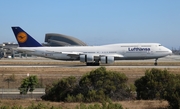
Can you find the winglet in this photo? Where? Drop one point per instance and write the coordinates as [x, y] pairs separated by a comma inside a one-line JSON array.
[[24, 39]]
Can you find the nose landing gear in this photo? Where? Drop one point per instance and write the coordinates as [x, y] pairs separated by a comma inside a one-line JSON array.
[[156, 62]]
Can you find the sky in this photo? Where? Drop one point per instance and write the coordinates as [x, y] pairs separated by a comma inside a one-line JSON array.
[[95, 22]]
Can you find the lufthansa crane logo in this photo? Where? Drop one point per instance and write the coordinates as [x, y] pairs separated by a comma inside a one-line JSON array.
[[22, 37]]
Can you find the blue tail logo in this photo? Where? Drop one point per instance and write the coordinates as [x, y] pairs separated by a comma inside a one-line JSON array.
[[24, 39]]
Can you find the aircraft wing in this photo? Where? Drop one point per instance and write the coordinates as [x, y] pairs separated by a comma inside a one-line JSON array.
[[76, 54], [72, 54], [113, 55]]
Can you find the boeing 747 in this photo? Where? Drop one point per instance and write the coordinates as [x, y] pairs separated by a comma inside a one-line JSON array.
[[91, 55]]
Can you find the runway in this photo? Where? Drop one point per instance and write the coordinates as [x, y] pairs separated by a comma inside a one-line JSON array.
[[80, 66]]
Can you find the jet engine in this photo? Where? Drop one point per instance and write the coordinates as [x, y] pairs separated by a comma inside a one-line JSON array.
[[86, 58], [107, 59]]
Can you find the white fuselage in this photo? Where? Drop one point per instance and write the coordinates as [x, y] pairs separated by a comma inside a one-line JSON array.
[[126, 51]]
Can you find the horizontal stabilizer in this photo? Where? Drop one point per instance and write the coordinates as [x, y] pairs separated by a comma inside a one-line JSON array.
[[23, 49]]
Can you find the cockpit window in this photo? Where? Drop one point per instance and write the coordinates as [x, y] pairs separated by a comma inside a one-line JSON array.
[[159, 45]]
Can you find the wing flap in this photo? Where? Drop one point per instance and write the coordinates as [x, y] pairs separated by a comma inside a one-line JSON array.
[[71, 54]]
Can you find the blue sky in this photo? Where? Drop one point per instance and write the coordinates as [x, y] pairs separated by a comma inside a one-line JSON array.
[[95, 22]]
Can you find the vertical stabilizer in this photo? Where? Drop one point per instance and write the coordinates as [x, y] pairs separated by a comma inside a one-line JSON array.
[[24, 39]]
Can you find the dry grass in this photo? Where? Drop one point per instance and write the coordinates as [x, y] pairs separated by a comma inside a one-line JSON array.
[[145, 104], [137, 104], [49, 75]]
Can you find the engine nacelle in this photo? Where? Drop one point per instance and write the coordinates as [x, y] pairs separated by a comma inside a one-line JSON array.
[[86, 58], [107, 60]]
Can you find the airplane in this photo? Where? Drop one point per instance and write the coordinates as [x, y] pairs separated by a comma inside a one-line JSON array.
[[91, 55]]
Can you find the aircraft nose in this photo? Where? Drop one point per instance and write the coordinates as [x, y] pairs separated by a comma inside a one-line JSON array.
[[170, 52]]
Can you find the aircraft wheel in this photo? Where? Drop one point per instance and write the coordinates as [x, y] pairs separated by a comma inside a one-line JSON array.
[[88, 64], [155, 64], [92, 64], [96, 64]]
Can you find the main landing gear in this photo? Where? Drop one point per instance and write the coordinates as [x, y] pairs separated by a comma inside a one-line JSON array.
[[156, 62], [92, 64]]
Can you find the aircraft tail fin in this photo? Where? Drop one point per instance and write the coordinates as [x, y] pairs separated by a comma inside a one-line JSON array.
[[24, 39]]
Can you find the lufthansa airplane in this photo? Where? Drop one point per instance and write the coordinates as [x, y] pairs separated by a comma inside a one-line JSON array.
[[91, 55]]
